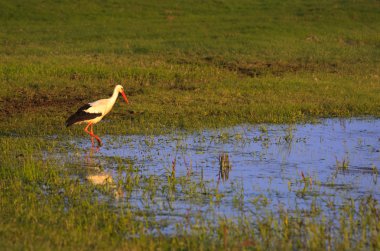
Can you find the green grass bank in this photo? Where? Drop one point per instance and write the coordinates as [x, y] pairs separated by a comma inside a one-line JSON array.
[[184, 65], [188, 65]]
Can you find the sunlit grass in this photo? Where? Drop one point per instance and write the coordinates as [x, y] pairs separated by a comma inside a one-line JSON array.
[[184, 66]]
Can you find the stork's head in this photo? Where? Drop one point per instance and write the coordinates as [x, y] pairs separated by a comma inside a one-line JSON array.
[[120, 89]]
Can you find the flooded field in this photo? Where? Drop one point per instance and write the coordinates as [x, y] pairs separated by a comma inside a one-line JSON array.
[[237, 171]]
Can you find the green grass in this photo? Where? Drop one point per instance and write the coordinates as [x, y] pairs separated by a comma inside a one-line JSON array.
[[184, 65], [189, 65]]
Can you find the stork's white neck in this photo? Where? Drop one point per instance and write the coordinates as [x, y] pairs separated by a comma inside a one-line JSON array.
[[114, 96]]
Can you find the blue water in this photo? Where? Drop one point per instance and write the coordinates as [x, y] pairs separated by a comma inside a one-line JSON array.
[[266, 160]]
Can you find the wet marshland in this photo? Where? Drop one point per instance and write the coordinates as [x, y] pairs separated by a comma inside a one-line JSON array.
[[243, 170]]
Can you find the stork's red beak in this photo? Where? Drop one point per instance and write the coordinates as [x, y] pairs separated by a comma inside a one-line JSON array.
[[124, 96]]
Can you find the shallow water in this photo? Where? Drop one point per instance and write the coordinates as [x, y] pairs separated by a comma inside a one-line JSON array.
[[339, 159]]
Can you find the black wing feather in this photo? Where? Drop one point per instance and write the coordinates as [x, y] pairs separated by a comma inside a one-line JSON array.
[[81, 115]]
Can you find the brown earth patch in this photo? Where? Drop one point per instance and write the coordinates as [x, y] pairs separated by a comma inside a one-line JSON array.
[[257, 69], [29, 101], [65, 101]]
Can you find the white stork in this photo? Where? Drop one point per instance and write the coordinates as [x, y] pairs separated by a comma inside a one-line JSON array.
[[92, 113]]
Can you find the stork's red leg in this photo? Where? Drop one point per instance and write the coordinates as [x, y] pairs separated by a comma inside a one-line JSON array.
[[90, 133], [96, 137]]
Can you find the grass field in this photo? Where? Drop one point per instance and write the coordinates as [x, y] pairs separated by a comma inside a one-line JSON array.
[[218, 63], [184, 65]]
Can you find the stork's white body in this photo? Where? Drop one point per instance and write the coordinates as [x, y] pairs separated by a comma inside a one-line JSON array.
[[94, 112], [102, 106]]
